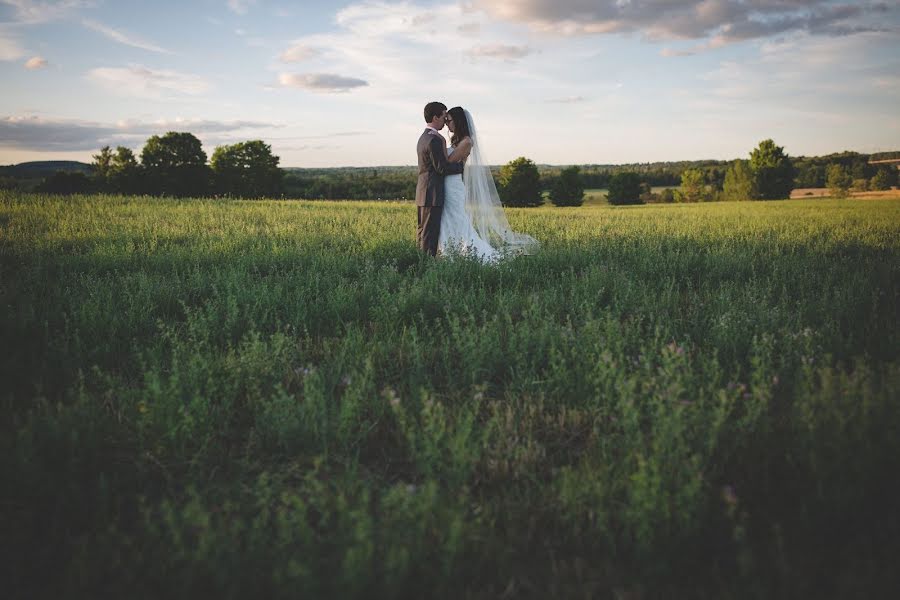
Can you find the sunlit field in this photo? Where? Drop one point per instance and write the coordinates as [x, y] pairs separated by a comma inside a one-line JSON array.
[[284, 399]]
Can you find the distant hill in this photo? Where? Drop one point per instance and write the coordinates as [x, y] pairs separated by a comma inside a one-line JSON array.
[[44, 168]]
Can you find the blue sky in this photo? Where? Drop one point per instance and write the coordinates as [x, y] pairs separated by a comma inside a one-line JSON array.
[[343, 83]]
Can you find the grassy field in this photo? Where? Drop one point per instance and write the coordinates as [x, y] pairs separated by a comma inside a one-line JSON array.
[[283, 399]]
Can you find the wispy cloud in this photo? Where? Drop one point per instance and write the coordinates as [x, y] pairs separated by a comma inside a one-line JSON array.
[[568, 100], [499, 51], [58, 135], [31, 12], [36, 62], [142, 82], [299, 53], [240, 6], [123, 37], [321, 82], [10, 48]]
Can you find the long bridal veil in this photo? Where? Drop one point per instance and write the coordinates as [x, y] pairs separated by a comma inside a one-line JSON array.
[[483, 203]]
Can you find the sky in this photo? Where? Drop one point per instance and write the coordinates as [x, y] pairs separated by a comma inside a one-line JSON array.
[[343, 83]]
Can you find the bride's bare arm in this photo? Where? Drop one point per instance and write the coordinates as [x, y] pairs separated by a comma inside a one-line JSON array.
[[461, 152]]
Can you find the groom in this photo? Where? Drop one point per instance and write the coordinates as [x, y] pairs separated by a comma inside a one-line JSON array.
[[433, 166]]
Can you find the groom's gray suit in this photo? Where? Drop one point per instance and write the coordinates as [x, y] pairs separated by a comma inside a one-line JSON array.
[[433, 166]]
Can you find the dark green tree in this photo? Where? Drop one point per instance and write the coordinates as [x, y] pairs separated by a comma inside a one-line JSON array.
[[624, 188], [66, 183], [124, 172], [738, 182], [884, 179], [773, 171], [839, 181], [247, 170], [568, 189], [175, 165], [101, 164], [520, 183]]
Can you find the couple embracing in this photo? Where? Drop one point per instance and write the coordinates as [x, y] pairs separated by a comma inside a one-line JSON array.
[[459, 208]]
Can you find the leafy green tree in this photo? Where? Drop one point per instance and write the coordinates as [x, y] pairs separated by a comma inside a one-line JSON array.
[[124, 172], [101, 164], [247, 170], [624, 188], [175, 165], [568, 189], [773, 171], [693, 186], [884, 179], [520, 183], [738, 182], [839, 181]]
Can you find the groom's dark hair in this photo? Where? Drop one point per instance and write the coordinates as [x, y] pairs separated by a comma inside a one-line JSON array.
[[434, 109]]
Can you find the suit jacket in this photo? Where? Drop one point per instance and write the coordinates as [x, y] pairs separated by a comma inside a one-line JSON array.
[[433, 166]]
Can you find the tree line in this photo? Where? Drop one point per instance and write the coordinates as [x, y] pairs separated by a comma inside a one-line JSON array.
[[175, 164]]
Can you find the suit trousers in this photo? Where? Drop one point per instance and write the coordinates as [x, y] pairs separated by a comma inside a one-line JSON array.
[[429, 229]]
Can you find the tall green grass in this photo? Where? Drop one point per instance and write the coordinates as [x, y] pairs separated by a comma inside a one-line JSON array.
[[285, 399]]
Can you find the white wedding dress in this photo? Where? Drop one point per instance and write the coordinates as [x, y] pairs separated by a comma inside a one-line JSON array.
[[458, 235], [473, 222]]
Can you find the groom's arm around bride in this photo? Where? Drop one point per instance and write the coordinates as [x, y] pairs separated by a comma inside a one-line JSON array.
[[433, 166]]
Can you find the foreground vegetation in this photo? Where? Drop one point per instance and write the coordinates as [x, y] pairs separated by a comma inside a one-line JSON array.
[[284, 399]]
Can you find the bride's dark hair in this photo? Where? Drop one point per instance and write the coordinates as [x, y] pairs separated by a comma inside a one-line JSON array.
[[460, 125]]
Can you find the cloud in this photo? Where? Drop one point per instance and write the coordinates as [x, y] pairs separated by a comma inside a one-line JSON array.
[[59, 135], [140, 81], [321, 82], [720, 21], [298, 53], [568, 100], [240, 6], [469, 28], [35, 62], [30, 12], [499, 51], [122, 37], [10, 49]]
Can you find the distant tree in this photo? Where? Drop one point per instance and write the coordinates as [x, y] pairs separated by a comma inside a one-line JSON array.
[[738, 182], [124, 172], [773, 171], [884, 179], [8, 183], [624, 188], [66, 183], [693, 186], [175, 165], [568, 189], [839, 181], [248, 170], [667, 196], [520, 183], [101, 165], [116, 171]]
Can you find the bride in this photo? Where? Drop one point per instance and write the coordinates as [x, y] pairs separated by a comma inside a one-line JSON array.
[[473, 222]]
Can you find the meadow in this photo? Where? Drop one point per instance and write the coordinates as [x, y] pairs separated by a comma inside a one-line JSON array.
[[284, 399]]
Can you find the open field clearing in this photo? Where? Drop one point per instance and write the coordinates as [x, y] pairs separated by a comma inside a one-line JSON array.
[[282, 399]]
